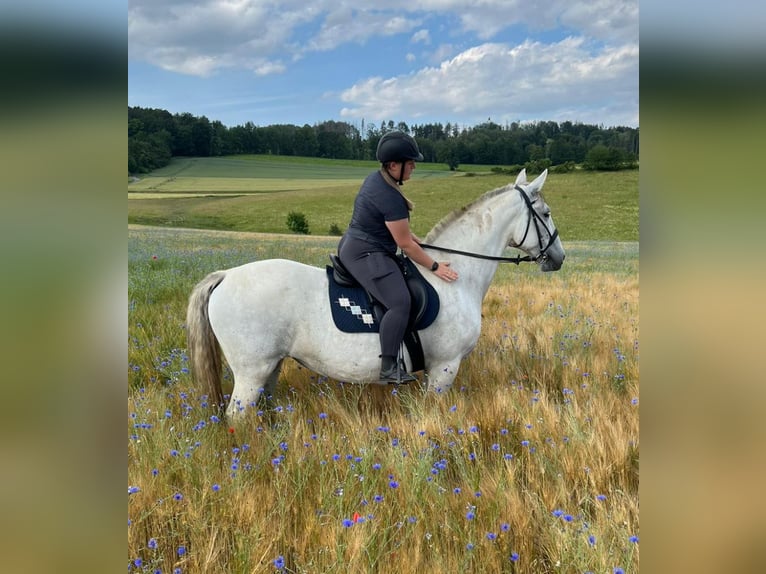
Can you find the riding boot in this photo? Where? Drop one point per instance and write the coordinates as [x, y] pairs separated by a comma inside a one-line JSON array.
[[393, 373]]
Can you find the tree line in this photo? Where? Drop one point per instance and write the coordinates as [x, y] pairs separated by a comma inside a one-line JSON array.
[[155, 136]]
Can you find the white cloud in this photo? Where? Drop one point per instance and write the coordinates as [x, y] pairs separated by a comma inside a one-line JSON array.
[[199, 36], [504, 82], [512, 77], [423, 36]]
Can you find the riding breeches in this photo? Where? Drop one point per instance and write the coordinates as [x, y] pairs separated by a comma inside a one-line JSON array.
[[380, 274]]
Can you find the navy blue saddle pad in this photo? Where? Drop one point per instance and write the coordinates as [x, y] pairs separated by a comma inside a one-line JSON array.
[[352, 310]]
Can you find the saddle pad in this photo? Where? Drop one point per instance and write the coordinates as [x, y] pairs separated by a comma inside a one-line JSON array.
[[352, 309]]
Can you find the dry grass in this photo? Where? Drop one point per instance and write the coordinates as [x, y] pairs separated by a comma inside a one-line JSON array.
[[533, 452]]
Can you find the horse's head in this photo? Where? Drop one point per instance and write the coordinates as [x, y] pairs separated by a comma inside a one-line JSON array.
[[538, 237]]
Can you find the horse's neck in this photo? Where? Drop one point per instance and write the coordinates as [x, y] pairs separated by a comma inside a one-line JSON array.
[[485, 229]]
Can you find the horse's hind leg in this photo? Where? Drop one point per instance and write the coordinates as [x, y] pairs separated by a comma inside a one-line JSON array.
[[252, 384]]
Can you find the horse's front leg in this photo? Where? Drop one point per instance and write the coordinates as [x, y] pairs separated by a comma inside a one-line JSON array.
[[441, 375]]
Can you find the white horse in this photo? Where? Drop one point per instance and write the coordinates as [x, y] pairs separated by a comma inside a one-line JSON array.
[[261, 312]]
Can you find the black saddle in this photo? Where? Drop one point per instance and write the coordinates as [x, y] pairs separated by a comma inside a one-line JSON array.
[[423, 308], [415, 283]]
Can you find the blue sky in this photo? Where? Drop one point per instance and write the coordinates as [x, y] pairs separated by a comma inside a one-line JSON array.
[[458, 61]]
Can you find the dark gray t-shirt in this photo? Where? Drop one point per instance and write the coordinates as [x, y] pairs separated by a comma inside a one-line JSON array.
[[376, 203]]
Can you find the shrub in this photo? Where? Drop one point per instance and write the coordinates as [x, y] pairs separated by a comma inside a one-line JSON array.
[[565, 167], [334, 230], [297, 223]]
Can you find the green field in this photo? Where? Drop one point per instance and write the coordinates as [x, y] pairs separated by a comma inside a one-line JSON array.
[[256, 193]]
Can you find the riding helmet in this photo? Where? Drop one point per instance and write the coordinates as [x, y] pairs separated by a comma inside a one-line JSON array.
[[397, 146]]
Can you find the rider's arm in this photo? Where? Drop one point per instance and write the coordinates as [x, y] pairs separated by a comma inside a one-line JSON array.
[[407, 242]]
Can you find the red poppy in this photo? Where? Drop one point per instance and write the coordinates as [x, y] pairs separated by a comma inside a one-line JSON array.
[[231, 430], [154, 257], [356, 517]]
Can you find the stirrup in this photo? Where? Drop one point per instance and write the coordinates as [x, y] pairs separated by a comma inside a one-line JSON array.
[[397, 376]]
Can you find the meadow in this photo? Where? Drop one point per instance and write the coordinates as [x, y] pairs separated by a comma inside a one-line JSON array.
[[256, 193], [530, 463]]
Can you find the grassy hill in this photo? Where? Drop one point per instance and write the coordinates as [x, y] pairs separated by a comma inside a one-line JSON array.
[[256, 193]]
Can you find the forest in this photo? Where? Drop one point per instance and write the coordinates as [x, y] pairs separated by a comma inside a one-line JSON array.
[[156, 135]]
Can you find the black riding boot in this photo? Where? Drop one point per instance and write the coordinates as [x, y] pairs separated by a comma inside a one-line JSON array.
[[392, 373]]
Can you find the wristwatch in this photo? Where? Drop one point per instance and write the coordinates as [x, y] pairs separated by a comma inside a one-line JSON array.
[[435, 266]]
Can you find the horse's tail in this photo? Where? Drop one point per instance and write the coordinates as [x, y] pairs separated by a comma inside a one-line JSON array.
[[204, 350]]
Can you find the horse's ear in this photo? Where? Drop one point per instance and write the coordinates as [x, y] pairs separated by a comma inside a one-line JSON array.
[[522, 177], [537, 184]]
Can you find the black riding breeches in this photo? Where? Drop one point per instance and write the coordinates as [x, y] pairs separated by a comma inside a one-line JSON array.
[[380, 274]]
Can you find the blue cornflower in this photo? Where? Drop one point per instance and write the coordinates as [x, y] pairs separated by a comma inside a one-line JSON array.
[[378, 498], [133, 489], [568, 517], [279, 562], [275, 461], [376, 466], [152, 544], [505, 527], [592, 540], [174, 452], [507, 456], [138, 562], [634, 539], [181, 550], [393, 484], [558, 513], [283, 445], [525, 443], [469, 546], [216, 487], [618, 570], [336, 457], [178, 496], [456, 490], [322, 415], [601, 497], [453, 408], [469, 515], [477, 494], [412, 519], [155, 472], [491, 536], [347, 523], [474, 428], [514, 557]]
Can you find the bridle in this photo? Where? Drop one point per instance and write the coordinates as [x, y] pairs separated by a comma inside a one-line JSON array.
[[535, 218]]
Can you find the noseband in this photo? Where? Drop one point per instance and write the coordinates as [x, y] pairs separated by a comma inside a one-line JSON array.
[[533, 217]]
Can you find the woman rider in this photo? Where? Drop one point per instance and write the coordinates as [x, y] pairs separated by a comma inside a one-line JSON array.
[[380, 224]]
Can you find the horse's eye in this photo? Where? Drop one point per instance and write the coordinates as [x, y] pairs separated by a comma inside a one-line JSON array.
[[547, 214]]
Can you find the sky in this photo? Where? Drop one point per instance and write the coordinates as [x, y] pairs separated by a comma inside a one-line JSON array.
[[433, 61]]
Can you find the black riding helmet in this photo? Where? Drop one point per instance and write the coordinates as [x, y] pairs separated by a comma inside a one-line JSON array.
[[398, 146]]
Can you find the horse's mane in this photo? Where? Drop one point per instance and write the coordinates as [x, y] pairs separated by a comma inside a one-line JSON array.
[[448, 219]]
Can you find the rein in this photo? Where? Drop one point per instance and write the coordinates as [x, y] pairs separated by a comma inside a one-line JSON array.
[[533, 217], [515, 260]]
